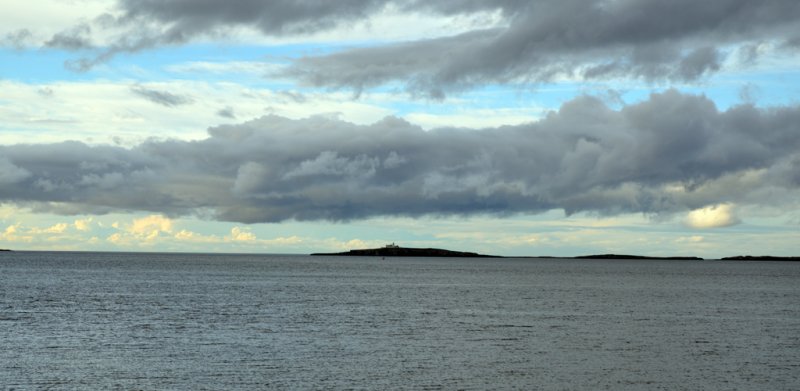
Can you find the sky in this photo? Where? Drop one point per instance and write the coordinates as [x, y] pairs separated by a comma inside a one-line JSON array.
[[536, 127]]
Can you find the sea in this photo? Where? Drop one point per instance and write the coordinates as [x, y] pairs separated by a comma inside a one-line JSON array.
[[148, 321]]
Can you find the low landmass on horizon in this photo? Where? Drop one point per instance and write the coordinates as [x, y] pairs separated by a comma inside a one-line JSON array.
[[393, 250], [397, 251], [759, 258]]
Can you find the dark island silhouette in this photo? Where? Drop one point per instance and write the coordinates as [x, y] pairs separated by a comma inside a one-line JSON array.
[[760, 258], [393, 250]]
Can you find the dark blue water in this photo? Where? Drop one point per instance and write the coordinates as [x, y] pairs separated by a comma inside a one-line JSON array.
[[171, 321]]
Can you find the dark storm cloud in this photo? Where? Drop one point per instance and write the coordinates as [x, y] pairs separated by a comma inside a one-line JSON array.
[[161, 97], [154, 23], [655, 40], [680, 40], [189, 17], [671, 153], [417, 63]]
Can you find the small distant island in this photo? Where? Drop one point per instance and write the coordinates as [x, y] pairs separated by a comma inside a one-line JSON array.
[[393, 250], [760, 258], [4, 249]]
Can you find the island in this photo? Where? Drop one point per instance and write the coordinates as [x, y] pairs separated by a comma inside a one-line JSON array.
[[4, 249], [760, 258], [393, 250]]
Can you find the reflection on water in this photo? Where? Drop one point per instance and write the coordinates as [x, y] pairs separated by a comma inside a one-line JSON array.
[[172, 321]]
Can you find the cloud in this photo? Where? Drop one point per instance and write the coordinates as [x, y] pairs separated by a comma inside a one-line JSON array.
[[9, 173], [83, 224], [186, 19], [142, 231], [76, 38], [108, 111], [18, 39], [13, 233], [147, 24], [694, 239], [148, 225], [328, 163], [715, 216], [226, 112], [117, 238], [186, 235], [671, 153], [239, 236], [161, 97], [31, 234], [11, 229], [242, 235], [550, 40], [531, 41]]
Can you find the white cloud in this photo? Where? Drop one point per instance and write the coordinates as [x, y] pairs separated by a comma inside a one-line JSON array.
[[483, 118], [11, 229], [142, 231], [7, 211], [12, 234], [56, 229], [714, 216], [147, 225], [83, 224], [241, 235], [108, 112], [19, 233], [238, 236], [188, 236], [116, 238], [44, 18]]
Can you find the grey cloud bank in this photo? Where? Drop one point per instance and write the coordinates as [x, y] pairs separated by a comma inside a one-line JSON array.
[[653, 40], [671, 153], [154, 23], [535, 41]]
